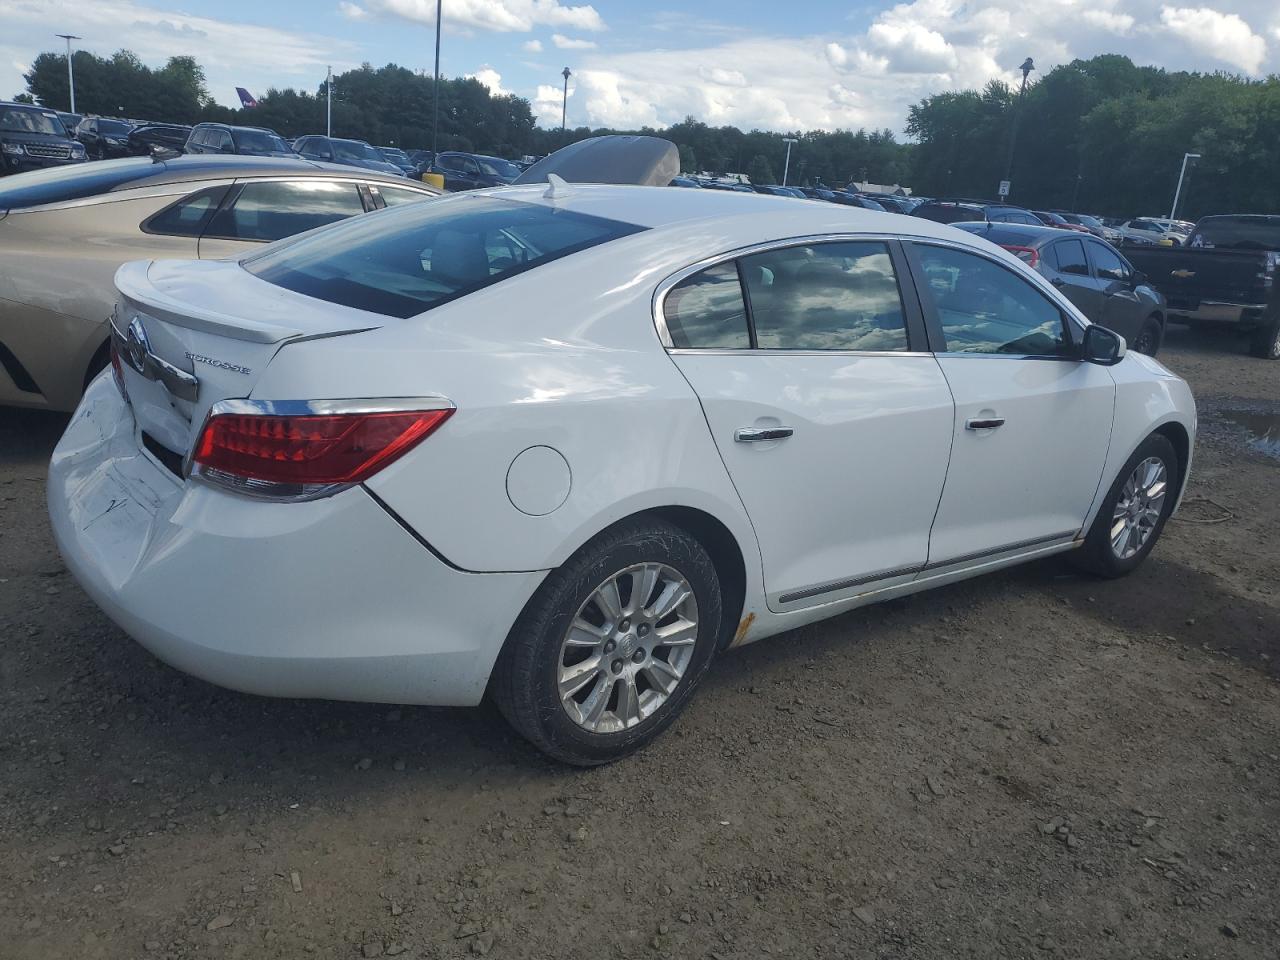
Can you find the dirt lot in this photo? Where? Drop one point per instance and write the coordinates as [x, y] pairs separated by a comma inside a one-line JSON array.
[[1027, 765]]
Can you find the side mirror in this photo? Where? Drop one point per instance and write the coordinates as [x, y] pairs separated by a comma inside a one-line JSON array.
[[1102, 346]]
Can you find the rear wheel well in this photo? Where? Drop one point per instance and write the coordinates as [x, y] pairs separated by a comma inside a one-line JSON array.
[[725, 554], [1177, 435]]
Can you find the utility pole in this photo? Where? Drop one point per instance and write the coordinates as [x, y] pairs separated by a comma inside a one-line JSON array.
[[435, 85], [1177, 194], [1075, 194], [564, 106], [328, 103], [1027, 66], [786, 164], [71, 76]]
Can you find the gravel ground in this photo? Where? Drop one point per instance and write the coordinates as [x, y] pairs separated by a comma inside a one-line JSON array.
[[1030, 764]]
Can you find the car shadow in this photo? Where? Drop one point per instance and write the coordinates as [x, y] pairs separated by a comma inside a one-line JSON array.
[[29, 436]]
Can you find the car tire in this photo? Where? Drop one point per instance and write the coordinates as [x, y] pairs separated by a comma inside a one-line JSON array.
[[623, 704], [1150, 336], [1265, 343], [1130, 521]]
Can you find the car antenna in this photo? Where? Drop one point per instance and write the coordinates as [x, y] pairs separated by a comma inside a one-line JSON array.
[[557, 188]]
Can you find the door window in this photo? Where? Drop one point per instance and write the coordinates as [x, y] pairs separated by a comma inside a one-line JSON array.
[[450, 162], [985, 308], [275, 209], [397, 195], [1108, 263], [707, 311], [224, 140], [830, 296], [1070, 257]]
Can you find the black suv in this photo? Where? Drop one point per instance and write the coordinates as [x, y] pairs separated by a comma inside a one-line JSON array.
[[247, 141], [32, 138], [469, 171], [104, 138], [170, 137], [973, 211]]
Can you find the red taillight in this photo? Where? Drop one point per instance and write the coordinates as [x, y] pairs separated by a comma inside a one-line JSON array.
[[310, 450], [117, 372], [1028, 255]]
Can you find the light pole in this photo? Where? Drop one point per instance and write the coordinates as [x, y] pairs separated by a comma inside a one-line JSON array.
[[71, 76], [1027, 66], [564, 106], [1075, 194], [435, 84], [1177, 194], [328, 103], [786, 164]]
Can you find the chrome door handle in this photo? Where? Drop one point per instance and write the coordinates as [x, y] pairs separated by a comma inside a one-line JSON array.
[[976, 423], [759, 434]]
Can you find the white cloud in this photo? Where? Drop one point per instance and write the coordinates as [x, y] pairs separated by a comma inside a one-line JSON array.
[[910, 47], [571, 43], [1107, 20], [726, 78], [504, 16], [547, 101], [352, 11], [532, 46], [491, 79], [1224, 36]]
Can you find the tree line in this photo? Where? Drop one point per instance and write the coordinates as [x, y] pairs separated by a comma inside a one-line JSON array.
[[1101, 135]]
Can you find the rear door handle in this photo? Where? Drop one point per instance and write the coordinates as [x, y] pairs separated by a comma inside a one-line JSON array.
[[760, 434], [975, 423]]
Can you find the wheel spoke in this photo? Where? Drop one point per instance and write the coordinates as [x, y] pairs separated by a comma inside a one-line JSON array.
[[661, 675], [592, 709], [583, 634], [1118, 530], [574, 678], [643, 581], [673, 594], [628, 709], [608, 600], [682, 633]]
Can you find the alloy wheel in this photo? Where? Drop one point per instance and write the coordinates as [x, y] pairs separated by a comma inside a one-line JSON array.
[[627, 648], [1138, 509]]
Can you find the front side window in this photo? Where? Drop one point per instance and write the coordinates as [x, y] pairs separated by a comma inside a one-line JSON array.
[[405, 261], [1108, 263], [271, 210], [829, 296], [706, 310], [987, 309], [259, 143]]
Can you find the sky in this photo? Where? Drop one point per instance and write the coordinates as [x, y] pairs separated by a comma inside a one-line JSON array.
[[817, 64]]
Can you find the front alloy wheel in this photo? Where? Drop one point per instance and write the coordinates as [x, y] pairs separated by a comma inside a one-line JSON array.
[[613, 644], [1137, 510]]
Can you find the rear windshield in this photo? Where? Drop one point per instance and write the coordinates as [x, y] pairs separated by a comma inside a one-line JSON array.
[[21, 120], [498, 168], [941, 213], [259, 143], [419, 255], [354, 150], [1240, 233], [71, 183]]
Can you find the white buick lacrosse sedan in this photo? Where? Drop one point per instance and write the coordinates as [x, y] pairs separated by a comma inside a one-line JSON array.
[[564, 445]]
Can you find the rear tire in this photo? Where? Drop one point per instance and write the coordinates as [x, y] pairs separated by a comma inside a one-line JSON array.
[[1132, 516], [1265, 344], [1150, 336], [638, 685]]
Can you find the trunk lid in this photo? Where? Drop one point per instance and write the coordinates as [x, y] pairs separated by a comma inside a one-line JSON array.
[[191, 333]]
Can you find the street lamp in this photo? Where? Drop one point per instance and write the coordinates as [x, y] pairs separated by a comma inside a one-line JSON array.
[[435, 85], [1075, 194], [786, 166], [564, 106], [1027, 66], [71, 77], [328, 102], [1177, 194]]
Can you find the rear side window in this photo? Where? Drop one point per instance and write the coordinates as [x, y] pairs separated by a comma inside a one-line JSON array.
[[1070, 257], [271, 210], [407, 260], [1238, 233], [188, 217], [394, 196], [1108, 263], [830, 296], [706, 311], [985, 308]]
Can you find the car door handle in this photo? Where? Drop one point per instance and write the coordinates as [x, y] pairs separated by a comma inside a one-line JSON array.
[[987, 423], [760, 434]]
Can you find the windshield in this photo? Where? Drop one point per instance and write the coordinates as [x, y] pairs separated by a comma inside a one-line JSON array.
[[1240, 233], [355, 150], [114, 128], [1086, 221], [19, 120], [498, 168], [71, 183], [391, 153], [259, 143], [419, 255]]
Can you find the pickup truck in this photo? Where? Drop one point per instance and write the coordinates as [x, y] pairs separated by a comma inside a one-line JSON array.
[[1224, 275]]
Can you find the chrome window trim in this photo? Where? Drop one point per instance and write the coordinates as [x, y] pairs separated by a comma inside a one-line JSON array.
[[778, 351], [663, 288]]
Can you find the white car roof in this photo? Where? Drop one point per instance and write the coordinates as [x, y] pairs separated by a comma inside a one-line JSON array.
[[745, 213]]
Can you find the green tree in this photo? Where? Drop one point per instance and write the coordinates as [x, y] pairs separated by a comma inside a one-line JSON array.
[[759, 170]]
